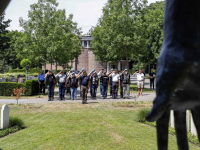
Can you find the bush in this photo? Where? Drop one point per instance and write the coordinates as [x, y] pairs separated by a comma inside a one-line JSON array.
[[15, 124], [15, 121], [140, 117], [6, 88], [25, 62], [30, 71], [32, 87]]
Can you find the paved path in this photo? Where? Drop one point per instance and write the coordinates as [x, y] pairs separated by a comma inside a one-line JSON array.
[[144, 97]]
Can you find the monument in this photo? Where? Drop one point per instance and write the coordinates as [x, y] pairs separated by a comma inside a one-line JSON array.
[[4, 117]]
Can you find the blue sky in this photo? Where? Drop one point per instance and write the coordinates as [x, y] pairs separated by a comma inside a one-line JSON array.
[[86, 12]]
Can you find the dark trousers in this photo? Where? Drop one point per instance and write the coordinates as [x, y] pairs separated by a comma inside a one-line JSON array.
[[91, 89], [151, 84], [80, 90], [62, 90], [51, 90], [94, 90], [105, 88], [101, 88], [110, 88], [42, 87], [121, 89], [84, 90], [115, 86]]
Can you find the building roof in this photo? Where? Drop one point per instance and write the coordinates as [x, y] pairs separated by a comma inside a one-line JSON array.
[[87, 38]]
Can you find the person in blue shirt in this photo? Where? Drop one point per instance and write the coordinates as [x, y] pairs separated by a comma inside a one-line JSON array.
[[85, 85], [41, 81]]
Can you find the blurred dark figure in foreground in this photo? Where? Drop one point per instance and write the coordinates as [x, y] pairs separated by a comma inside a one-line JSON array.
[[177, 79]]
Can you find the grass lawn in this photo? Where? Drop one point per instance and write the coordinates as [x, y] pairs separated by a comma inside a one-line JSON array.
[[100, 126]]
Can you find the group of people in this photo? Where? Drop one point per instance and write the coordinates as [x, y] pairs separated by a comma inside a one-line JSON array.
[[87, 83], [91, 82]]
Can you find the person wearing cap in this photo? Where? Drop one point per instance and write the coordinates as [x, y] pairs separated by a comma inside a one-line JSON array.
[[115, 83], [101, 86], [94, 80], [121, 84], [80, 81], [105, 83], [51, 83], [62, 84], [110, 82], [93, 70], [73, 86], [41, 81], [126, 84], [85, 84], [140, 78]]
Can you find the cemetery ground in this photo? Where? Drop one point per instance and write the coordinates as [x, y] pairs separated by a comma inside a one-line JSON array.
[[105, 125]]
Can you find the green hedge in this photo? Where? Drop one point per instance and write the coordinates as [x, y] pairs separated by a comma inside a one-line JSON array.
[[31, 86], [32, 70], [6, 88]]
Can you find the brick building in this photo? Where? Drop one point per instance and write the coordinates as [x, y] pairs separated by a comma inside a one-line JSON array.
[[87, 60]]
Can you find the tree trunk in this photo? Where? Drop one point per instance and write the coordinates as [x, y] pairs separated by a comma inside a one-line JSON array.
[[56, 67], [127, 61]]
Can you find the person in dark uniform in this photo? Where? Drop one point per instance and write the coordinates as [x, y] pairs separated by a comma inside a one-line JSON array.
[[94, 81], [41, 81], [73, 86], [110, 81], [85, 85], [152, 75], [105, 83], [121, 85], [126, 84], [80, 82], [51, 83]]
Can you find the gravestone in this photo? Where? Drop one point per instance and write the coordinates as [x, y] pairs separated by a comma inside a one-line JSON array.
[[3, 79], [172, 118], [14, 80], [193, 127], [11, 76], [30, 77], [4, 117], [188, 120]]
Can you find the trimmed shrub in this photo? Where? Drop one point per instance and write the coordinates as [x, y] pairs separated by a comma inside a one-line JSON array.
[[6, 88], [32, 87], [140, 117], [15, 121]]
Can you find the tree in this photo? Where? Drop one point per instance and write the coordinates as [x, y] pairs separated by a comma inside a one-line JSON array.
[[25, 62], [7, 53], [148, 35], [48, 36], [114, 33]]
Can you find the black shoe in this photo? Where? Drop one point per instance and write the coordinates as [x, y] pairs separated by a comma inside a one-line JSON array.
[[123, 97], [128, 97], [83, 103], [49, 99]]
